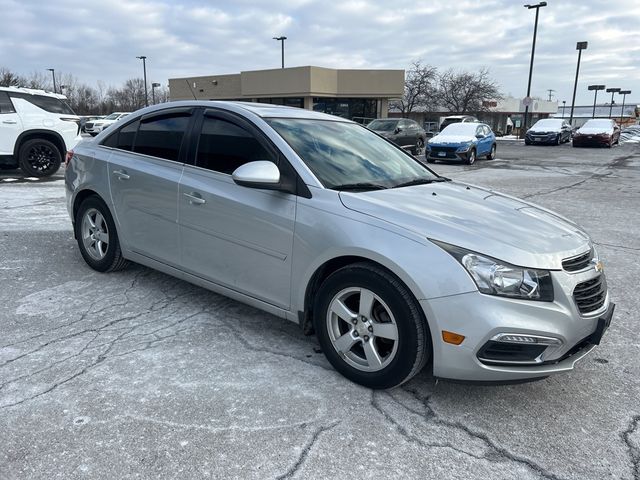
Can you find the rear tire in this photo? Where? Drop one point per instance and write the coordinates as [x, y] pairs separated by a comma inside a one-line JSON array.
[[97, 237], [370, 327], [39, 158], [419, 147]]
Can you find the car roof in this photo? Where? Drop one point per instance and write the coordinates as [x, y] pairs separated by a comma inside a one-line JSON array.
[[264, 110], [460, 116], [33, 91]]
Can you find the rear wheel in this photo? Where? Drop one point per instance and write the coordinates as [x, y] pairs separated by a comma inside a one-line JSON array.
[[97, 237], [39, 158], [492, 153], [370, 327], [419, 147]]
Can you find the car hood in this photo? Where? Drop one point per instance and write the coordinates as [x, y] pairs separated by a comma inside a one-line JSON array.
[[477, 219], [451, 139], [595, 131], [544, 130]]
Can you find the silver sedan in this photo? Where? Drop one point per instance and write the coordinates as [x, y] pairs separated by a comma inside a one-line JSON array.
[[318, 220]]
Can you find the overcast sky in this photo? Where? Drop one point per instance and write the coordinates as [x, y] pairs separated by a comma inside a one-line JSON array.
[[100, 40]]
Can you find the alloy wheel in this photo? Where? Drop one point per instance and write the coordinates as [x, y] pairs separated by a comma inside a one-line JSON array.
[[95, 234]]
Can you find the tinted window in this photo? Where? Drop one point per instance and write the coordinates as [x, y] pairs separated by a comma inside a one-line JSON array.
[[161, 136], [5, 103], [224, 146], [123, 138], [48, 104]]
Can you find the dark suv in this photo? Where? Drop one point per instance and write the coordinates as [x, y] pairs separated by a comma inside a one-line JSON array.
[[402, 131], [456, 119]]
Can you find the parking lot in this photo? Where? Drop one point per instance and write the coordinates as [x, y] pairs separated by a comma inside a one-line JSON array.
[[137, 374]]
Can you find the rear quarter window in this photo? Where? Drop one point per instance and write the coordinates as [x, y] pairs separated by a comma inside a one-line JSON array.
[[48, 104], [5, 104]]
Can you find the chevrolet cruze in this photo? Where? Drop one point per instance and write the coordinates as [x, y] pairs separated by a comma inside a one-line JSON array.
[[318, 220]]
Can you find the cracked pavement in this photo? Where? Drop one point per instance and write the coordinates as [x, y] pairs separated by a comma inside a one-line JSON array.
[[139, 375]]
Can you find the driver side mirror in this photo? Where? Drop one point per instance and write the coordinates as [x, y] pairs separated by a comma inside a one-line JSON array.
[[479, 135], [259, 174], [397, 130]]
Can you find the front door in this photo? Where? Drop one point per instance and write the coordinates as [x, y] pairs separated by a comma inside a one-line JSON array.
[[235, 236]]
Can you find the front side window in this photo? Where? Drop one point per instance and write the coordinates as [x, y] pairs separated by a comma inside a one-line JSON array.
[[5, 104], [224, 146], [123, 138], [346, 154], [48, 104], [162, 136]]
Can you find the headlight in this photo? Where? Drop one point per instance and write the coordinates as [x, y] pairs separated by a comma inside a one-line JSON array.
[[464, 147], [495, 277]]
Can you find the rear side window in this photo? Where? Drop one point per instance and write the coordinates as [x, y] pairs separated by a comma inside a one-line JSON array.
[[162, 136], [224, 146], [5, 104], [123, 138], [48, 104]]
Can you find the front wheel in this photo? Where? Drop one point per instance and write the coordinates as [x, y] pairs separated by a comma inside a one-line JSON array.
[[370, 327], [39, 158], [97, 237], [419, 147], [471, 158]]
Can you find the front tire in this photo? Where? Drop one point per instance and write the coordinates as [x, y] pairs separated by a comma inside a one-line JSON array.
[[97, 237], [39, 158], [471, 158], [492, 153], [419, 147], [370, 327]]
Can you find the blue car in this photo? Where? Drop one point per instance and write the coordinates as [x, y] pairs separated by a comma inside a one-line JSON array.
[[462, 142]]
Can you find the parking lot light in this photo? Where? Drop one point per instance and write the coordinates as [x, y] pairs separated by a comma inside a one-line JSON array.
[[144, 69], [564, 104], [579, 46], [53, 74], [281, 39], [537, 6], [595, 88], [154, 85], [612, 91], [624, 94]]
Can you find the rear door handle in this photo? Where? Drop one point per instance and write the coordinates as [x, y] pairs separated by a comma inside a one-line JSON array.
[[121, 175], [195, 198], [10, 122]]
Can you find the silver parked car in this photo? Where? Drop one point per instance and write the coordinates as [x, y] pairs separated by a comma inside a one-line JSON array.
[[318, 220]]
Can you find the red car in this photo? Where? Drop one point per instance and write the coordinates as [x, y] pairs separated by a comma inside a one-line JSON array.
[[597, 132]]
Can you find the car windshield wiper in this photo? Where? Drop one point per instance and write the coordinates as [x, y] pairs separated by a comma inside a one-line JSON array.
[[359, 186], [422, 181]]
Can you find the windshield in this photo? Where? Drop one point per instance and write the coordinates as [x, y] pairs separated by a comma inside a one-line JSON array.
[[597, 123], [548, 123], [467, 129], [383, 125], [341, 154], [113, 116]]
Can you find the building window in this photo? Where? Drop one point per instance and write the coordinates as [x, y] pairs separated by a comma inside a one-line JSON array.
[[297, 102], [358, 109]]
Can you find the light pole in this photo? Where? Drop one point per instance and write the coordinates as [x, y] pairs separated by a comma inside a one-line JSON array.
[[53, 74], [579, 46], [564, 104], [595, 96], [144, 68], [153, 91], [281, 39], [612, 91], [624, 94], [537, 6]]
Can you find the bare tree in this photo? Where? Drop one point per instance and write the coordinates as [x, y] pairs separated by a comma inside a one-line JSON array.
[[465, 92], [10, 79], [419, 88]]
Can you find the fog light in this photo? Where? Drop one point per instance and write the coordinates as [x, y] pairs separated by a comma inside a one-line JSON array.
[[529, 339], [452, 338]]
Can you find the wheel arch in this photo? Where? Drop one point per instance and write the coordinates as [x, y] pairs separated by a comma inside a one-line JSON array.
[[50, 135], [80, 197]]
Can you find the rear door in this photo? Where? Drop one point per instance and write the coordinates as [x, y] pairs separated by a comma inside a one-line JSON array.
[[10, 125], [235, 236], [144, 182]]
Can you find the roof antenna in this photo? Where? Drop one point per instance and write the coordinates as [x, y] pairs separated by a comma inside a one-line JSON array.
[[191, 89]]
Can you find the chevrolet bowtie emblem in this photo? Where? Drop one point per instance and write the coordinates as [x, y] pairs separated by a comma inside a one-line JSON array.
[[599, 267]]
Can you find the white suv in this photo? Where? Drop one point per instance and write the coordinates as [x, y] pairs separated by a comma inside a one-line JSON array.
[[36, 130], [97, 126]]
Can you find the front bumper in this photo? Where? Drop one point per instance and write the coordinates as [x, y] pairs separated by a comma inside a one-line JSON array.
[[591, 140], [546, 138], [482, 318], [446, 153]]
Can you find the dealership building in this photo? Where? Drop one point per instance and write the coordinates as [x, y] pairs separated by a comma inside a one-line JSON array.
[[359, 95]]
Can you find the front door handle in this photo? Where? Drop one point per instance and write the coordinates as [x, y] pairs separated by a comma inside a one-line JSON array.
[[121, 175], [10, 122], [195, 198]]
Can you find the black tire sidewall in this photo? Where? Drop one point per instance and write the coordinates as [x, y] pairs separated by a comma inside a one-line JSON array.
[[408, 321], [469, 161], [113, 249], [26, 167]]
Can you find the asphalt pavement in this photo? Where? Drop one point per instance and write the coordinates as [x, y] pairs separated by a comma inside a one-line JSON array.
[[138, 375]]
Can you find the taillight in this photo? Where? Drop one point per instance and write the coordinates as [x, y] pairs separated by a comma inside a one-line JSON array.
[[68, 157]]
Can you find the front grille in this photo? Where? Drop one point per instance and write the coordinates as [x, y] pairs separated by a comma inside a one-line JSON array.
[[590, 295], [444, 149], [577, 263], [88, 125]]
